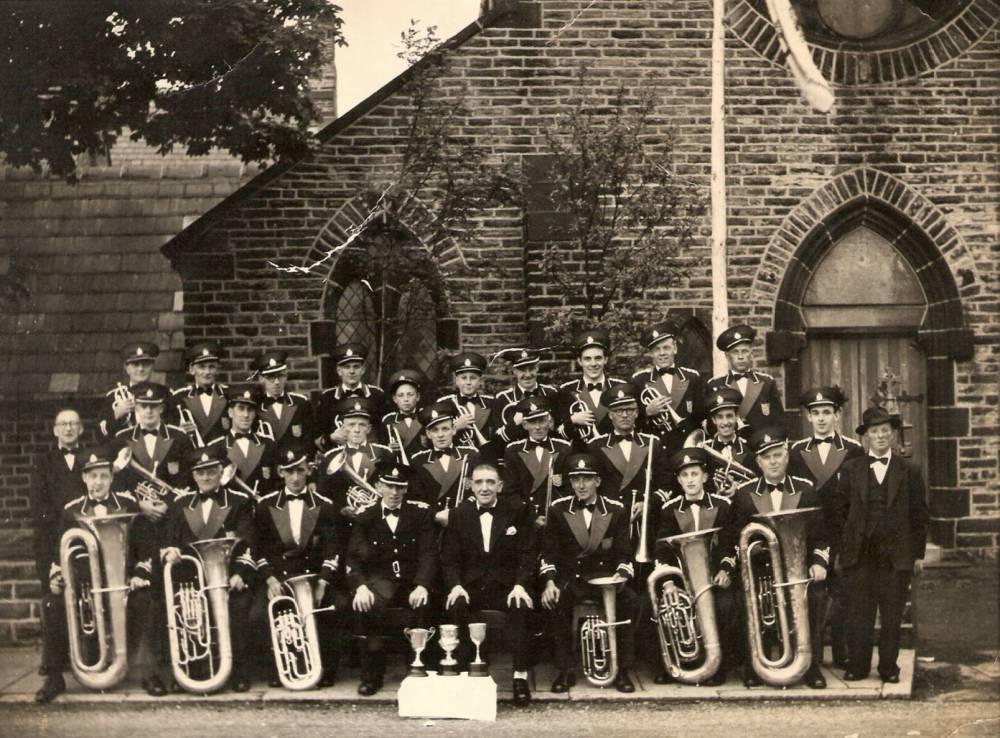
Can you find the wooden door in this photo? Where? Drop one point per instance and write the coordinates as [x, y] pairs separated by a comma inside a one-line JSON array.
[[858, 363]]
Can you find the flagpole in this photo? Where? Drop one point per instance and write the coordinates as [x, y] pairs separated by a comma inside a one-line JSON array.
[[720, 280]]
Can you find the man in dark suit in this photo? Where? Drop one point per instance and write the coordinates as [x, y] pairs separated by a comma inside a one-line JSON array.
[[487, 562], [587, 536], [761, 405], [818, 458], [776, 490], [880, 506], [391, 562], [200, 407], [248, 450], [582, 416]]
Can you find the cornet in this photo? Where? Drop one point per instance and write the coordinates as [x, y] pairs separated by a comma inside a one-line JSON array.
[[587, 432], [666, 421], [294, 639], [361, 494], [598, 644], [481, 440]]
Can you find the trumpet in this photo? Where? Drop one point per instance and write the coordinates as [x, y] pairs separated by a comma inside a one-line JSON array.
[[187, 417], [732, 470], [667, 421], [784, 535], [98, 606], [598, 644], [685, 616], [294, 640], [361, 494], [154, 489], [198, 617], [481, 440]]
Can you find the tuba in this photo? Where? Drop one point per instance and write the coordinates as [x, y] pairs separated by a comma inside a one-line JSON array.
[[598, 645], [96, 608], [783, 534], [198, 617], [733, 470], [294, 641], [685, 611]]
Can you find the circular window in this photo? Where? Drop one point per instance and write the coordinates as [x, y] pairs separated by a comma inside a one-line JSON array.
[[858, 19]]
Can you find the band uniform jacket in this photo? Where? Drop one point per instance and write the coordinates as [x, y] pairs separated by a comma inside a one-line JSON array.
[[625, 480], [255, 468], [231, 516], [326, 410], [752, 498], [275, 549], [525, 476], [904, 521], [482, 408], [464, 560], [570, 553], [296, 417], [761, 404], [676, 518], [738, 451], [211, 424], [361, 459], [505, 405], [687, 399], [171, 447], [406, 429], [437, 486], [573, 392], [805, 461], [53, 485], [384, 560], [108, 426]]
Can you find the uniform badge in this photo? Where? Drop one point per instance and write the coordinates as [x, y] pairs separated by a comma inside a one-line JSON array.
[[265, 472], [690, 406], [173, 467], [297, 431], [765, 408], [225, 423]]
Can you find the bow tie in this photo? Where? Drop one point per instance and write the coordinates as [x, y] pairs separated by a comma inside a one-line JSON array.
[[531, 445], [470, 400], [106, 501], [699, 501], [203, 390], [590, 506], [238, 436], [737, 376], [295, 495], [153, 432], [386, 512], [615, 438], [203, 496], [272, 401], [823, 440], [405, 416], [435, 455], [533, 392], [774, 487], [879, 460], [666, 370], [68, 451], [485, 510], [356, 392], [595, 386]]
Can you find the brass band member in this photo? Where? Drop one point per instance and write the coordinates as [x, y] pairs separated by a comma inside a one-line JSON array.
[[488, 564], [534, 464], [401, 426], [524, 366], [119, 401], [475, 420], [288, 413], [250, 452], [761, 405], [670, 396], [349, 361], [880, 505], [777, 490], [295, 531], [201, 405], [586, 536], [391, 562], [441, 472], [693, 510], [99, 500], [819, 458], [582, 416], [721, 405], [217, 511]]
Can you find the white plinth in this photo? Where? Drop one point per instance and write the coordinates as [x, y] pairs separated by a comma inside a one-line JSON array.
[[435, 696]]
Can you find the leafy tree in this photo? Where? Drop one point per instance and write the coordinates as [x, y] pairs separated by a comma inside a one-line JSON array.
[[628, 216], [231, 74]]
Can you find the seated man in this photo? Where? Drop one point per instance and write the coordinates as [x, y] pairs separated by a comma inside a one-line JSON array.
[[391, 562], [487, 562], [696, 510], [587, 536]]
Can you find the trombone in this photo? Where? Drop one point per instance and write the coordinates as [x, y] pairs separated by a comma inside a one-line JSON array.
[[642, 555]]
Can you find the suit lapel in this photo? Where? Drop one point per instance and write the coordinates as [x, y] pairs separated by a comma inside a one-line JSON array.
[[789, 498], [678, 391], [833, 461], [578, 527], [310, 514], [444, 479], [280, 425], [194, 520], [407, 433], [894, 479], [161, 449], [598, 525], [753, 392], [617, 459], [140, 454], [282, 524], [538, 469], [635, 462], [216, 518], [762, 501]]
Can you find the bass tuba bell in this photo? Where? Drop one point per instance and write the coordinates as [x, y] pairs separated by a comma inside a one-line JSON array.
[[294, 640], [685, 610], [95, 608], [781, 595], [598, 645]]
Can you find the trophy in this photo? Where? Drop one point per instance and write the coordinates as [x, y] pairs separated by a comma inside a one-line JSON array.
[[477, 634], [418, 641], [449, 642]]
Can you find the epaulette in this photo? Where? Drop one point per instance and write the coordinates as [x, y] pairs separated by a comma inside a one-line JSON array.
[[560, 441], [269, 495], [505, 393], [374, 387], [801, 442], [423, 452], [671, 501], [600, 437], [562, 499], [547, 386], [690, 370], [566, 385], [238, 493], [650, 436], [613, 502], [222, 386], [332, 451], [328, 389], [126, 494], [616, 379], [852, 441], [327, 500], [467, 448], [177, 391], [748, 483], [721, 498], [486, 397], [418, 503], [385, 418], [520, 442], [299, 395], [380, 445], [74, 502], [765, 375], [803, 479]]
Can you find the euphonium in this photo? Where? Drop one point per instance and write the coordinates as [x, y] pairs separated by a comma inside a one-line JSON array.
[[598, 645], [198, 617], [685, 612], [784, 535], [294, 640], [105, 540], [732, 469]]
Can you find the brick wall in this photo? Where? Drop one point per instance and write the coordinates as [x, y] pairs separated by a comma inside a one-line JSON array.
[[934, 133]]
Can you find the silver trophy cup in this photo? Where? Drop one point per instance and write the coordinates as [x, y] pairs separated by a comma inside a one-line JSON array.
[[418, 638], [448, 639], [477, 634]]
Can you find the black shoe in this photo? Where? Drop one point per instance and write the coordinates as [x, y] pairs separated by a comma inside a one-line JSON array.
[[241, 684], [892, 677], [750, 679], [367, 689], [717, 679], [841, 662], [663, 677], [43, 670], [274, 682], [564, 680], [854, 676], [522, 694], [153, 686], [328, 680], [624, 683], [175, 688], [814, 678], [51, 688]]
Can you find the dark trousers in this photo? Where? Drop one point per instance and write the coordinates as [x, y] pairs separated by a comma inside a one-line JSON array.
[[491, 596], [368, 625], [836, 615], [819, 598], [874, 586], [626, 608]]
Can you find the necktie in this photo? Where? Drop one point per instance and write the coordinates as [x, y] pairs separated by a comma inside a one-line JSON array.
[[67, 451], [880, 460], [666, 370], [203, 390], [147, 432], [595, 386], [484, 510], [386, 512], [823, 440]]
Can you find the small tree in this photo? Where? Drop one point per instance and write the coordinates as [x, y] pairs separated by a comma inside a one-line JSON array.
[[629, 216]]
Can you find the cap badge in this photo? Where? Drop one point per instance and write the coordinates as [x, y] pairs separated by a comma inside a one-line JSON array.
[[394, 472], [688, 459], [290, 455], [532, 406], [524, 354], [468, 362], [819, 396], [93, 459], [204, 457], [737, 335], [138, 351], [272, 362], [590, 339], [149, 393], [357, 405], [581, 464], [719, 399], [246, 395], [434, 414], [349, 352], [767, 438], [656, 334], [204, 352], [621, 395]]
